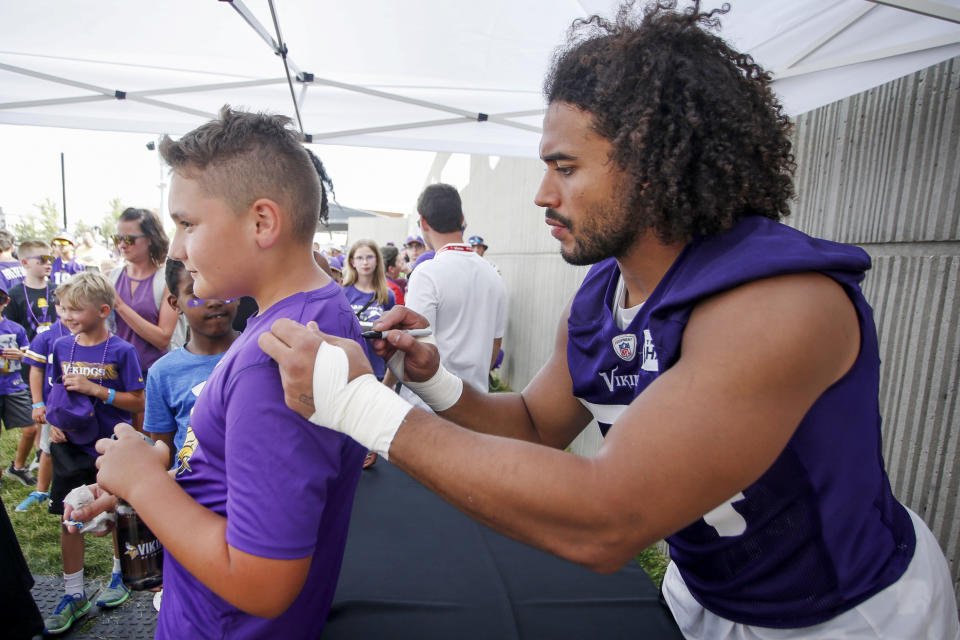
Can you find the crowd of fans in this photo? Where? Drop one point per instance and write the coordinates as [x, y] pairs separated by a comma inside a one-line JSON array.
[[94, 335]]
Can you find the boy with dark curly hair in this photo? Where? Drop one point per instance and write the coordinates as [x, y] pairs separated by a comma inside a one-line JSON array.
[[731, 362]]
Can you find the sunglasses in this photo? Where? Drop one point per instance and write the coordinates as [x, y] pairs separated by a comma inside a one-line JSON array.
[[3, 297], [62, 243], [199, 302], [127, 239], [44, 259]]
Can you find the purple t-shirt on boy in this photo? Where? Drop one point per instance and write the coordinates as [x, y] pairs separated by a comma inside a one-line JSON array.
[[40, 353], [284, 485], [143, 302], [120, 370], [12, 336]]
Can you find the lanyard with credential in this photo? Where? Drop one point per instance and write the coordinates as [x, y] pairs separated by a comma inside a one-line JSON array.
[[37, 323], [456, 247]]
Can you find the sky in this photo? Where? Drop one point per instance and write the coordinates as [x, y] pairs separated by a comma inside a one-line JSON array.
[[103, 165]]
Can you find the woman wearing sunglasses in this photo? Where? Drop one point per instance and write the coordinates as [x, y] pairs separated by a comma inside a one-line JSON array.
[[142, 319]]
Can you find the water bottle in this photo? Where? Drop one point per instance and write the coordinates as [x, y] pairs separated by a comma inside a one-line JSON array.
[[141, 554]]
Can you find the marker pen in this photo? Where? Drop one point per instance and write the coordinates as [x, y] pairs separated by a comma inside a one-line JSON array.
[[379, 335]]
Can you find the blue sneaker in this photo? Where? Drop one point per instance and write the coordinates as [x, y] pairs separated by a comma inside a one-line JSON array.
[[35, 497], [70, 609], [114, 595]]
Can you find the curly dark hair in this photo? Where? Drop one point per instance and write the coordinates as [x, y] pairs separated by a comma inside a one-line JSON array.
[[693, 123], [325, 183]]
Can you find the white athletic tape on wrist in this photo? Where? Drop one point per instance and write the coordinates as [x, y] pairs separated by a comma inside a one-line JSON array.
[[441, 391], [395, 363], [363, 409]]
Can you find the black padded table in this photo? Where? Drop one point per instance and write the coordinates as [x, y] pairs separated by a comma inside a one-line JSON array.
[[417, 568]]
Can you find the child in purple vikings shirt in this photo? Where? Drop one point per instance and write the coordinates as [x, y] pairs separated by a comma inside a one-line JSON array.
[[14, 395], [66, 263], [254, 525], [91, 370], [38, 357]]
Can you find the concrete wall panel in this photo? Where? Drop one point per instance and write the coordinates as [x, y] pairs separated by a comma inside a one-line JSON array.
[[880, 169]]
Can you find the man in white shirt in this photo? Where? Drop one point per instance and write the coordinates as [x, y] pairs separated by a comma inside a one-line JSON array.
[[459, 292]]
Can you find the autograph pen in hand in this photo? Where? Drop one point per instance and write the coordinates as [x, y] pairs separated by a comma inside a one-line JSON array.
[[380, 335]]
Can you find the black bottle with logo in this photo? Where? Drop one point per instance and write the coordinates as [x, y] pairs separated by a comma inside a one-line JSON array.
[[141, 554]]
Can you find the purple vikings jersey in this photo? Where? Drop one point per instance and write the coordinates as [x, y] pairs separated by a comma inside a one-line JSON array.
[[820, 531], [120, 371]]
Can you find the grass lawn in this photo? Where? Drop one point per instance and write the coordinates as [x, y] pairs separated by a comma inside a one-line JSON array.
[[39, 532]]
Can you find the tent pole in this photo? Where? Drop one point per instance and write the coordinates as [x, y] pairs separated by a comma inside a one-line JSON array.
[[63, 188], [925, 8]]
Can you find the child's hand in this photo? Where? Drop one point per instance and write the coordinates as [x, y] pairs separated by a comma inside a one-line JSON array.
[[102, 501], [80, 384], [128, 462], [56, 435], [12, 354], [39, 415]]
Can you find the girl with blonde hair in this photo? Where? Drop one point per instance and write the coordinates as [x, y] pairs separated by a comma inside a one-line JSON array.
[[365, 285]]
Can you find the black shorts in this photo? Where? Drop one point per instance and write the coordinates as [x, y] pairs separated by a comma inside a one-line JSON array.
[[72, 467], [16, 409]]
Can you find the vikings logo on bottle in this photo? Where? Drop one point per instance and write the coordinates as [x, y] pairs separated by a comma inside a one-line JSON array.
[[625, 345]]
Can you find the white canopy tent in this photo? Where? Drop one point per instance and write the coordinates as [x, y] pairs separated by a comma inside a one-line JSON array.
[[436, 75]]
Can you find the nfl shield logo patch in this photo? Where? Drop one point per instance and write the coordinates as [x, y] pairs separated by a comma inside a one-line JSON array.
[[626, 346]]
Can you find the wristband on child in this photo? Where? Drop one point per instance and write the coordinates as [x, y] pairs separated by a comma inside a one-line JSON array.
[[38, 405], [111, 393], [363, 409]]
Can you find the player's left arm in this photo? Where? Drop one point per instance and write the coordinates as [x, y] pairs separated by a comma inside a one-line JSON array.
[[754, 360]]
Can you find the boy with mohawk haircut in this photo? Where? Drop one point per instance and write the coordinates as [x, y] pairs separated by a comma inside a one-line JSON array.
[[255, 523]]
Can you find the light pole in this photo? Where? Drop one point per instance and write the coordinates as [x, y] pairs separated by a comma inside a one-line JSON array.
[[152, 146], [63, 188]]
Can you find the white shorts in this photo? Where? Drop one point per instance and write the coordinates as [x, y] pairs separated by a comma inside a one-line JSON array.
[[918, 606], [45, 438]]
